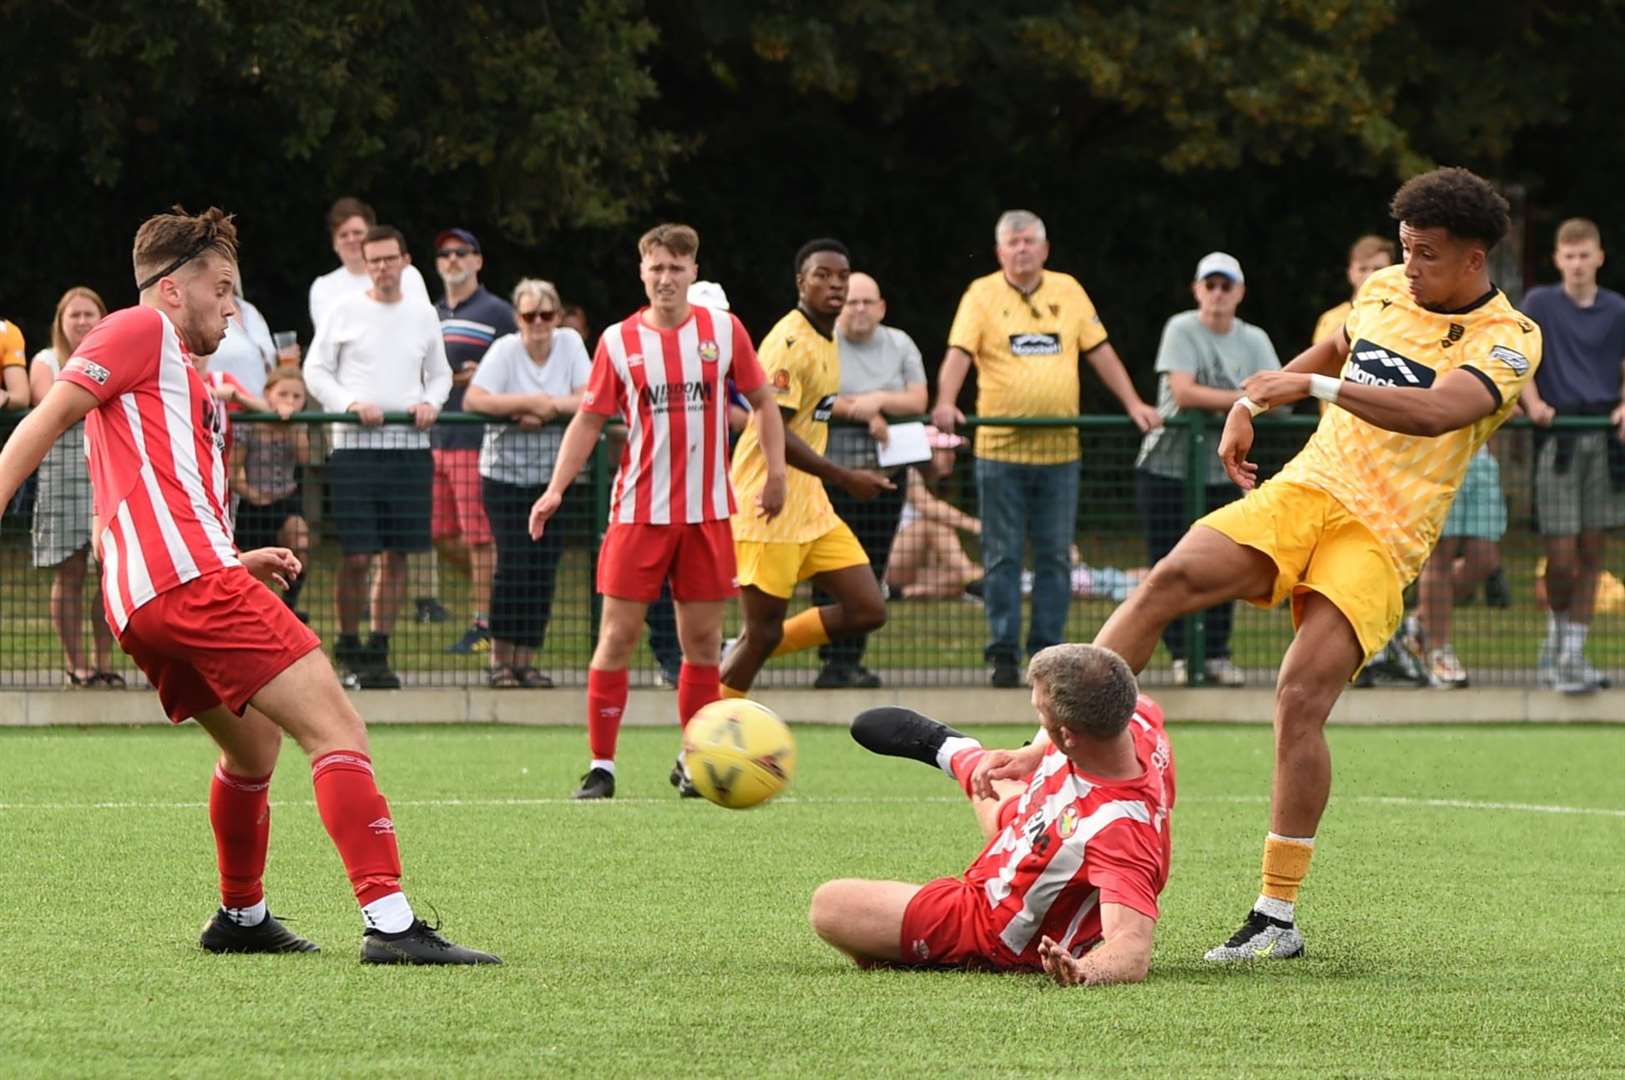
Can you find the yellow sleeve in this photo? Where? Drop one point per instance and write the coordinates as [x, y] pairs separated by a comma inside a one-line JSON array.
[[786, 368], [1330, 322], [966, 332], [1507, 362], [13, 353], [1091, 331]]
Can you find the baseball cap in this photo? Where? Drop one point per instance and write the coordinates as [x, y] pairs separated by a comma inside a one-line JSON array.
[[708, 294], [457, 234], [1218, 262]]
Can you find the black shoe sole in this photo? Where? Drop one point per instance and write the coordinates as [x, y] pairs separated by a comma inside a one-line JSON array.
[[904, 733]]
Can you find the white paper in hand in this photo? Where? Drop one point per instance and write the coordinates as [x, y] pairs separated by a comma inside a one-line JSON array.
[[906, 445]]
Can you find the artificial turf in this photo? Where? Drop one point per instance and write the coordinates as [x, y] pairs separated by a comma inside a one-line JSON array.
[[1465, 917]]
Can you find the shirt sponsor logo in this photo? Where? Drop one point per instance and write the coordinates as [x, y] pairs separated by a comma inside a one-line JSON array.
[[90, 370], [709, 352], [825, 408], [1512, 358], [1374, 365], [664, 396], [1035, 344]]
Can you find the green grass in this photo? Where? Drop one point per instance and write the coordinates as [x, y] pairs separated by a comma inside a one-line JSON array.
[[648, 937]]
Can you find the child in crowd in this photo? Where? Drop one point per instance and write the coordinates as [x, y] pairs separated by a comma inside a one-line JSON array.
[[265, 462]]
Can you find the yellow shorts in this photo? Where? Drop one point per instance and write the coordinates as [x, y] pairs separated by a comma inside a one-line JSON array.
[[776, 568], [1318, 546]]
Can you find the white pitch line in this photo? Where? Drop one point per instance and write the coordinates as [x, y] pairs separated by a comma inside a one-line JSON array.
[[852, 800]]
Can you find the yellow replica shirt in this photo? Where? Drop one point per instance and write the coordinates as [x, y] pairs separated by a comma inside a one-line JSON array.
[[1026, 351], [804, 370], [1401, 486], [1331, 322], [13, 353]]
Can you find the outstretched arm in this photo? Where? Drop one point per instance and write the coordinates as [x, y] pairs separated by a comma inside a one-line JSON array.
[[1460, 397], [1123, 955]]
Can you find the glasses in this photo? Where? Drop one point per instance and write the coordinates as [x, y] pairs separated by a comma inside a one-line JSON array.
[[1218, 284], [538, 316], [459, 253], [382, 261]]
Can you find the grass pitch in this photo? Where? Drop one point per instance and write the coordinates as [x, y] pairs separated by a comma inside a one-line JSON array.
[[1465, 917]]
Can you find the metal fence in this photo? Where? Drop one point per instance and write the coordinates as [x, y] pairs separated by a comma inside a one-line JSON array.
[[465, 587]]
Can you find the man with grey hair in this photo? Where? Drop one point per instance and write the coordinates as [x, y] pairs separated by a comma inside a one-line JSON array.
[[1023, 328], [1077, 852]]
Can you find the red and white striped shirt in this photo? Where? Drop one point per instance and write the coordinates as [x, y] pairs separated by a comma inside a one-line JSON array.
[[157, 460], [1077, 841], [670, 386]]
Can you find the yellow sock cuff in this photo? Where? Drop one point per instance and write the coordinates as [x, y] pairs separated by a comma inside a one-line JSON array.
[[1286, 864], [730, 692], [804, 630]]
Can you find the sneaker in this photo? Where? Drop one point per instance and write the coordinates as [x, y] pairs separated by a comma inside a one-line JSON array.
[[597, 784], [1574, 676], [1546, 665], [1392, 666], [680, 780], [221, 935], [1222, 671], [476, 639], [1006, 673], [1497, 593], [668, 676], [419, 943], [976, 589], [1181, 672], [430, 610], [1260, 938], [1410, 636], [899, 732], [838, 676], [350, 658], [1445, 671], [377, 677]]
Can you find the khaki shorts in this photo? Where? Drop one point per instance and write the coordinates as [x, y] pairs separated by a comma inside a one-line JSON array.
[[1582, 496]]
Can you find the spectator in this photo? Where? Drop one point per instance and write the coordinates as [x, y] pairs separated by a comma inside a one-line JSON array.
[[379, 351], [246, 352], [1579, 475], [265, 464], [63, 504], [14, 378], [575, 318], [1024, 327], [1368, 255], [535, 377], [348, 220], [470, 319], [1204, 356], [926, 561], [881, 375]]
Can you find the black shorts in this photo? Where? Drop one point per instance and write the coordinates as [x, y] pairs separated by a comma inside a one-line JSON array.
[[257, 526], [381, 499]]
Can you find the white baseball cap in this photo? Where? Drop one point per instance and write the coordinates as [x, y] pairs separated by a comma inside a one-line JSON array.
[[1218, 262], [708, 294]]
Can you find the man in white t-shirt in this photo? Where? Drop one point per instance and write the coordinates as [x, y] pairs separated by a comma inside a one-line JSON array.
[[347, 223], [377, 352]]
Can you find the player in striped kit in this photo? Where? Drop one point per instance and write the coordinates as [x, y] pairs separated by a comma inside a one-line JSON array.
[[216, 643], [664, 370], [1077, 851]]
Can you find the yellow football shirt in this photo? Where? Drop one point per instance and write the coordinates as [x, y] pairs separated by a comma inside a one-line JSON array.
[[1330, 322], [804, 370], [1401, 486], [1026, 350], [13, 353]]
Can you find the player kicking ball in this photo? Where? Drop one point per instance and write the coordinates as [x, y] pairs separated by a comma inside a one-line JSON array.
[[664, 370], [193, 612], [1077, 850]]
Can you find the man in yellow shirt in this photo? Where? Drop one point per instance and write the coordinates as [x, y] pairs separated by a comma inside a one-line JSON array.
[[13, 367], [807, 541], [1432, 359], [1024, 327]]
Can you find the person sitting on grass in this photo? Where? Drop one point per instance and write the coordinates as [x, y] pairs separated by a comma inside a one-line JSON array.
[[927, 561], [1077, 851]]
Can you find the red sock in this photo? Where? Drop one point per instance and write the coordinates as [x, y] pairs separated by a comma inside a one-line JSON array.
[[357, 818], [606, 702], [963, 764], [698, 685], [240, 814]]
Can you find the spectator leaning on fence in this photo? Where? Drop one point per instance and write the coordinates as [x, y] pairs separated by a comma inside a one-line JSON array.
[[1023, 327], [535, 377], [377, 352], [63, 504], [1579, 475], [1204, 357], [471, 318], [348, 220], [13, 368], [881, 375]]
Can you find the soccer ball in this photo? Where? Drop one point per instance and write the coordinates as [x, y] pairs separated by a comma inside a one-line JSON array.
[[738, 753]]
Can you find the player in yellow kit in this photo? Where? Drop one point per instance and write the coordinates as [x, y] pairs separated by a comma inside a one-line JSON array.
[[807, 541], [1432, 359]]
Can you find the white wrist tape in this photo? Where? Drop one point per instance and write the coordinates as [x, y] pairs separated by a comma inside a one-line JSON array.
[[1324, 387], [1252, 407]]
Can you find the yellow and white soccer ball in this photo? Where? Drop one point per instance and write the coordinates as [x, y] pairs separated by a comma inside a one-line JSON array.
[[738, 753]]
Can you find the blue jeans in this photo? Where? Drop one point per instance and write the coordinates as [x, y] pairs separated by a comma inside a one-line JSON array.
[[1024, 504]]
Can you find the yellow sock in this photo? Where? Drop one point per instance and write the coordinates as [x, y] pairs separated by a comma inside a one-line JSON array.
[[730, 692], [802, 631], [1286, 864]]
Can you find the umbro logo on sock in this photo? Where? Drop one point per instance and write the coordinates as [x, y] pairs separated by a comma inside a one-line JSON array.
[[382, 825]]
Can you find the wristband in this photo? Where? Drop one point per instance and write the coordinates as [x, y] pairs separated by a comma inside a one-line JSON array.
[[1252, 407], [1324, 387]]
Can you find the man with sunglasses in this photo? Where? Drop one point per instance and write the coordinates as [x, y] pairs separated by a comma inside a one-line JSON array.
[[471, 317], [1204, 357]]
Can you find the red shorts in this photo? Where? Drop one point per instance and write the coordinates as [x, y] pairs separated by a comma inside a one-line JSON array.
[[947, 924], [698, 560], [459, 508], [217, 639]]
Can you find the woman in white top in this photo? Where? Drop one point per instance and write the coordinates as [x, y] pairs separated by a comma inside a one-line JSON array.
[[534, 378], [63, 506]]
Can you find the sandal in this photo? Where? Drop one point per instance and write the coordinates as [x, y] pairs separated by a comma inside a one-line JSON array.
[[111, 680], [503, 677], [531, 679], [80, 681]]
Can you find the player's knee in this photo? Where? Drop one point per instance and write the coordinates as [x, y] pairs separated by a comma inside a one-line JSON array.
[[1302, 705], [765, 634], [826, 911], [870, 615]]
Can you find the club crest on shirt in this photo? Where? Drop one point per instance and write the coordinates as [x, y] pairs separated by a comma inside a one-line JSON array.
[[1512, 358], [1035, 344], [1375, 365], [1068, 823], [709, 352], [781, 379], [90, 370], [1453, 335]]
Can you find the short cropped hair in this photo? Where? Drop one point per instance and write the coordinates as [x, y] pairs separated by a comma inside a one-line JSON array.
[[1091, 690], [541, 290], [385, 232], [166, 242], [813, 247], [675, 238], [1015, 221], [1371, 244], [1577, 230], [1456, 200], [346, 208]]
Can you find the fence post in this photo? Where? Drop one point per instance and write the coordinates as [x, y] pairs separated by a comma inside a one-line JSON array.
[[1195, 506], [595, 530]]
